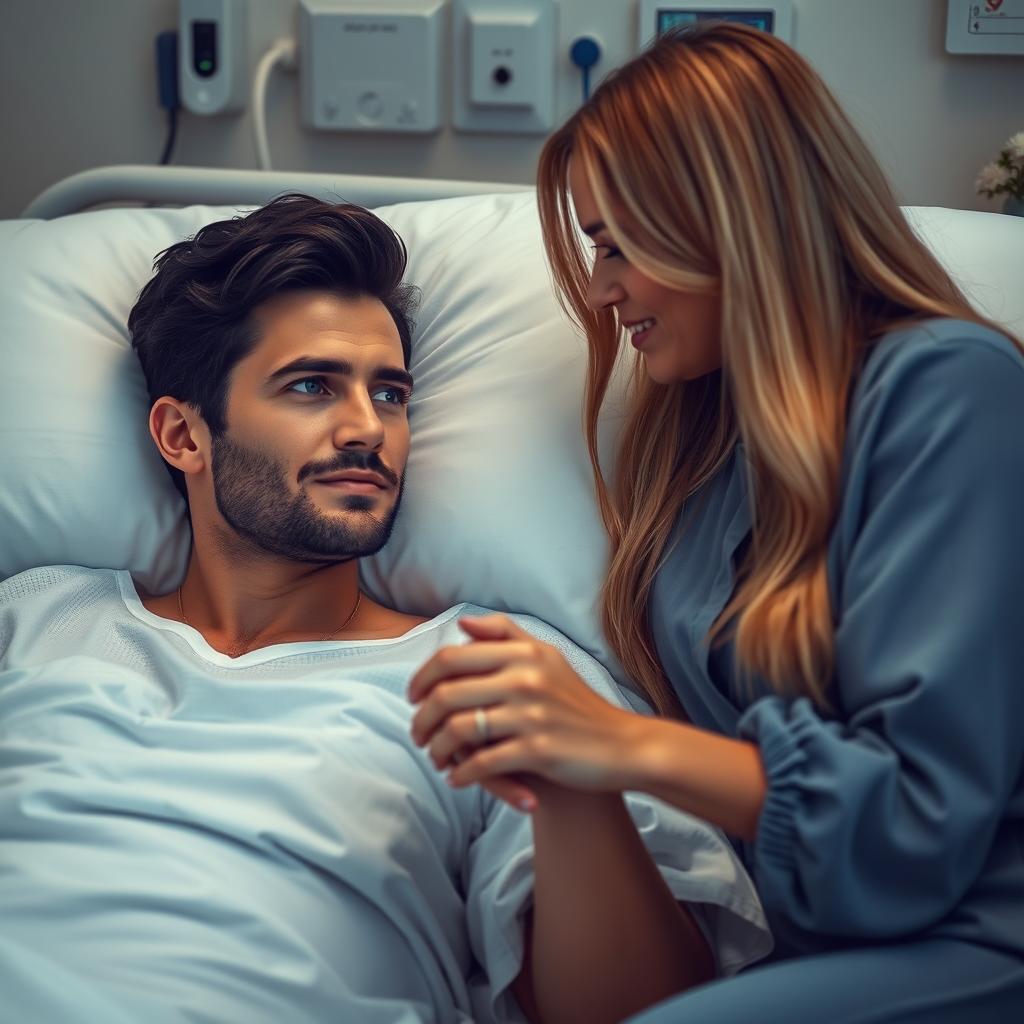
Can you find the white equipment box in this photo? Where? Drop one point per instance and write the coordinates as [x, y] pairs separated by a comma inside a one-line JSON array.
[[371, 66]]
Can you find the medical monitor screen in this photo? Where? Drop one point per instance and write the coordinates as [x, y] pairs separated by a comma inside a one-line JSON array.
[[670, 17]]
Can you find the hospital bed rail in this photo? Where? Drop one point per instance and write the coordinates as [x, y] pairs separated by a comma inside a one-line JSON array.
[[183, 186]]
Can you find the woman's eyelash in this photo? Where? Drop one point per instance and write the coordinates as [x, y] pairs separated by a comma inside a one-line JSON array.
[[612, 251]]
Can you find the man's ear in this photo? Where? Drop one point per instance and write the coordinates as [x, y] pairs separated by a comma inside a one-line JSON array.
[[180, 434]]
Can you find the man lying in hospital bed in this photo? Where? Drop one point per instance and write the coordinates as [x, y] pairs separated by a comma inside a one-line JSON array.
[[212, 808]]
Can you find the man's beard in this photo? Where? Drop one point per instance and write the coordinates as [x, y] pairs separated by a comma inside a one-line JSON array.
[[252, 495]]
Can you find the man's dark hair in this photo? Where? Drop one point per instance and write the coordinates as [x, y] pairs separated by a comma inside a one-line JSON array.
[[193, 322]]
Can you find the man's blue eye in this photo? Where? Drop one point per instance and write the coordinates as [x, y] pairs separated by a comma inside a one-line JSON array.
[[316, 382], [400, 396]]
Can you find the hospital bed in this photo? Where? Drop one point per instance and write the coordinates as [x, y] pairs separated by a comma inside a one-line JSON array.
[[498, 507]]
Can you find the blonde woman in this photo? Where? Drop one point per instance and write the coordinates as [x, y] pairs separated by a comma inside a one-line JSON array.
[[817, 571]]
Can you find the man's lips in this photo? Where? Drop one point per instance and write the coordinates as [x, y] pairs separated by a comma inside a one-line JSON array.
[[355, 480]]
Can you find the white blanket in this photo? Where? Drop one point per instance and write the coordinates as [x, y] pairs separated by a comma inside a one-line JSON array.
[[190, 837]]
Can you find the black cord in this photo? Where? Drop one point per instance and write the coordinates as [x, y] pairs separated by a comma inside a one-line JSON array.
[[172, 134], [167, 87]]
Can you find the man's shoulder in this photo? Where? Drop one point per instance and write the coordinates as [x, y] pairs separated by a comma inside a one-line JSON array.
[[38, 601], [576, 655], [32, 582], [538, 627], [391, 625]]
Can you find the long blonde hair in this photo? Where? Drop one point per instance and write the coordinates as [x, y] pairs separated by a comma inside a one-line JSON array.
[[719, 159]]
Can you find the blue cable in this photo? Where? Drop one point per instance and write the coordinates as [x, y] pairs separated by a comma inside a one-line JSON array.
[[585, 52]]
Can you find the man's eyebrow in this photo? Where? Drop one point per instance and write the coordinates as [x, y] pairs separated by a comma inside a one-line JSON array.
[[341, 367], [593, 229]]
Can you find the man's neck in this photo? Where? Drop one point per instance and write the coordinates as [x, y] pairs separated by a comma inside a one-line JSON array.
[[242, 603]]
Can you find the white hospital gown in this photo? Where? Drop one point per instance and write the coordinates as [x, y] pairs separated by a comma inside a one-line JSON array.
[[190, 837]]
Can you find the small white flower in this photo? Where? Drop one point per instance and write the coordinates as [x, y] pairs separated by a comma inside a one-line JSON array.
[[1015, 146], [990, 178]]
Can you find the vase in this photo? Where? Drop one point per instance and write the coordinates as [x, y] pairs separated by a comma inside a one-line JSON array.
[[1013, 206]]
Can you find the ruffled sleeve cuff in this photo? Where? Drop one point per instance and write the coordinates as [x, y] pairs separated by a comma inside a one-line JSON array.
[[781, 729]]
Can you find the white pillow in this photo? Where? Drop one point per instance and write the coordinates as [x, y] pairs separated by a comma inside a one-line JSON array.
[[983, 252], [498, 508]]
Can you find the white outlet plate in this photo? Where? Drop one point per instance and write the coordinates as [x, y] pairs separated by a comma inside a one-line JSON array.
[[503, 66], [985, 26], [371, 66]]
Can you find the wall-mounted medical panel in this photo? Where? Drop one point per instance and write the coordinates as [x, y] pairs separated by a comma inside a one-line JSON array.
[[985, 26], [504, 66], [655, 17], [213, 46], [372, 66]]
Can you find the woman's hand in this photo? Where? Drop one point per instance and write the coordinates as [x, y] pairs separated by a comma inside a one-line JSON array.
[[508, 704]]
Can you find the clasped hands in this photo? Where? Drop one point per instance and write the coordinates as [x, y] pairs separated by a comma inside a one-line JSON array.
[[508, 712]]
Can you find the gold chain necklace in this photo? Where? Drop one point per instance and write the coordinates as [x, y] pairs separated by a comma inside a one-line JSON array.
[[331, 635]]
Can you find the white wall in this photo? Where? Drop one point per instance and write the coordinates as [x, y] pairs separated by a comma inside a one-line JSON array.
[[77, 90]]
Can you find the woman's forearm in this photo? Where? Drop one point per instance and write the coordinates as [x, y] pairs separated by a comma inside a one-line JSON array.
[[608, 937], [713, 777]]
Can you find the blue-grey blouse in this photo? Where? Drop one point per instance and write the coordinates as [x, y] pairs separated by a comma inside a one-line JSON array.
[[901, 812]]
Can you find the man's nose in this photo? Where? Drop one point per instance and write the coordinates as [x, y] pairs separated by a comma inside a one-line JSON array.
[[358, 421]]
